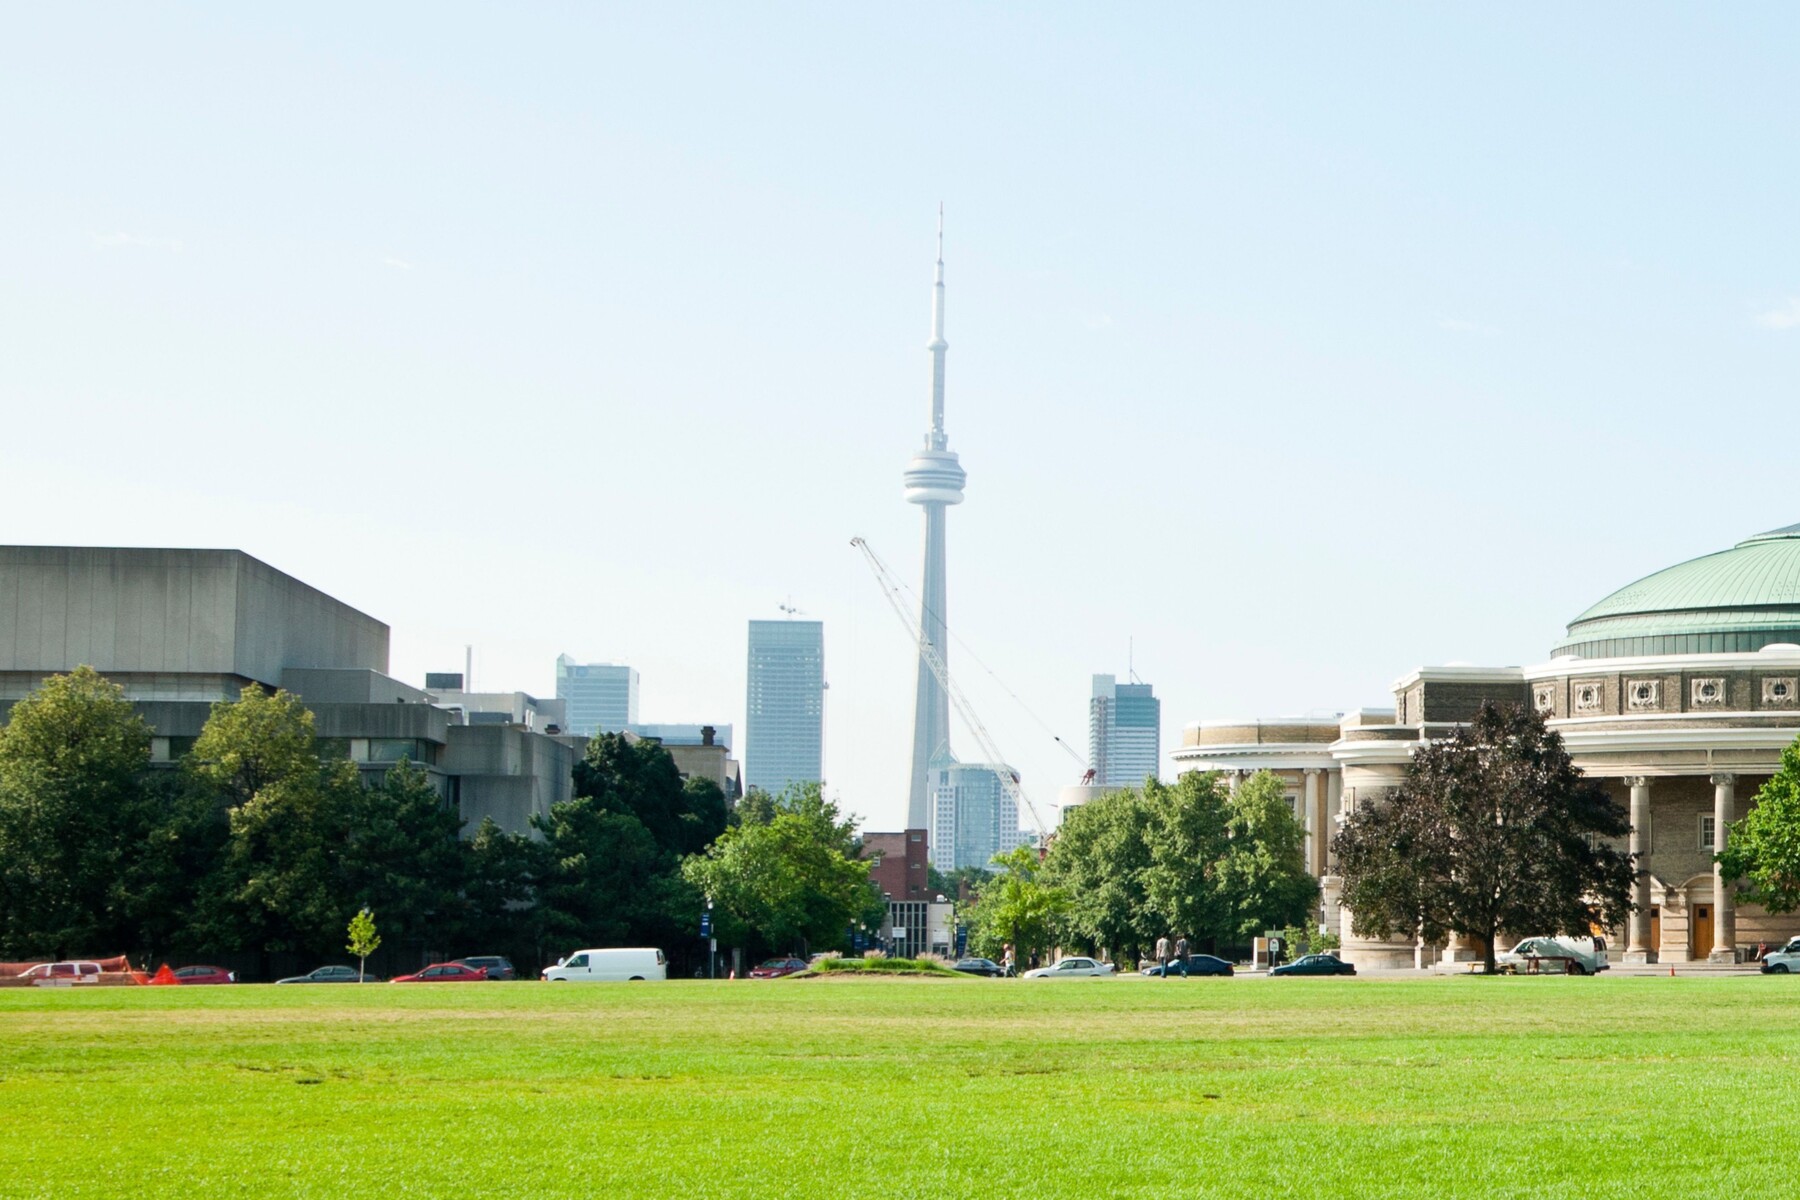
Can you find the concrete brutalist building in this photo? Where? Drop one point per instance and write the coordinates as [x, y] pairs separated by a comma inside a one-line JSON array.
[[181, 629], [1678, 692]]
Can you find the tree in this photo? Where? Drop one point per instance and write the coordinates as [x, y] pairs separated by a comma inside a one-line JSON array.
[[73, 813], [278, 886], [364, 941], [498, 891], [794, 881], [1188, 824], [1763, 847], [1494, 828], [1100, 860], [402, 856], [1016, 908], [1261, 880]]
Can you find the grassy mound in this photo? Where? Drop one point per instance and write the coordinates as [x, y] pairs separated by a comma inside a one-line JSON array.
[[878, 966]]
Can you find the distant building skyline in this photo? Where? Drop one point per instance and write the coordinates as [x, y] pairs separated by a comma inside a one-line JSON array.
[[784, 709], [600, 697], [1124, 732]]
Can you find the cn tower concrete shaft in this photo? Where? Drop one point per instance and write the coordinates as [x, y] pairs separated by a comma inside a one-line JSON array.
[[934, 480]]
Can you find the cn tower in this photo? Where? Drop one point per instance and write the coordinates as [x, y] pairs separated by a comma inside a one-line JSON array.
[[934, 481]]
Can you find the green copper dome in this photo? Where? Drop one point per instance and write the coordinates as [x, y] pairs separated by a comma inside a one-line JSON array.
[[1740, 599]]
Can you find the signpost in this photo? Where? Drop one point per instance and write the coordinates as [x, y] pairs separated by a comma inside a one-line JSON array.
[[712, 943]]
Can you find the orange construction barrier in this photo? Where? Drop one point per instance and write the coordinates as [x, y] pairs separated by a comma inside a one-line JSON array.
[[164, 977]]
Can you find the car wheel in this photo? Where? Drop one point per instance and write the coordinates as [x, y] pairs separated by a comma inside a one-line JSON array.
[[637, 979], [1778, 969], [1576, 968]]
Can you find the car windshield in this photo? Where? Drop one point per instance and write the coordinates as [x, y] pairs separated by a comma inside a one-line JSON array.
[[580, 960]]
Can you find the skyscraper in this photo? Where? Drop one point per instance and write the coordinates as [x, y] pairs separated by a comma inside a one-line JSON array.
[[973, 815], [602, 697], [784, 735], [934, 480], [1124, 732]]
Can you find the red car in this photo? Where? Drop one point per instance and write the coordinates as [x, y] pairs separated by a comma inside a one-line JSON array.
[[775, 968], [204, 975], [443, 973]]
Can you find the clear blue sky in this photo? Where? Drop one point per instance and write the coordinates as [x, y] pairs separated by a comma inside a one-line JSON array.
[[1302, 347]]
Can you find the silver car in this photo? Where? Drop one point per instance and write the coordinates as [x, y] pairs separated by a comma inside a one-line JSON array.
[[1072, 968]]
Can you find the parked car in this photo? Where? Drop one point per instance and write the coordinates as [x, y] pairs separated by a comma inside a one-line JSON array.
[[616, 963], [775, 968], [1567, 955], [979, 966], [1785, 961], [331, 975], [204, 975], [1193, 964], [1316, 964], [1072, 968], [63, 974], [443, 973], [495, 966]]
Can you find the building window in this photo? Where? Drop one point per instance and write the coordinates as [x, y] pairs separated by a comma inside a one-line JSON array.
[[1780, 693], [1543, 697], [1708, 693], [1644, 693], [1708, 832], [1587, 697]]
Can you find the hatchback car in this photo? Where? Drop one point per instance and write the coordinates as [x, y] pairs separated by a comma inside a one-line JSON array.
[[1316, 964], [204, 975], [775, 968], [495, 966], [330, 975], [1072, 968], [449, 972], [979, 966], [1193, 964]]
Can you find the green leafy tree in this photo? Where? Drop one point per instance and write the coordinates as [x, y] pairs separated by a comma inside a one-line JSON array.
[[498, 891], [1763, 846], [952, 884], [1187, 834], [756, 807], [1016, 908], [1261, 881], [277, 886], [73, 813], [402, 856], [364, 941], [1493, 829], [1100, 860], [794, 881]]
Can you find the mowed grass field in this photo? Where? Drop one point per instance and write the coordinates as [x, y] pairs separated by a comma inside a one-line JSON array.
[[908, 1088]]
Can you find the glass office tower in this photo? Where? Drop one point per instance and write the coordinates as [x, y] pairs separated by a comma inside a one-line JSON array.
[[1124, 732], [784, 734], [601, 697]]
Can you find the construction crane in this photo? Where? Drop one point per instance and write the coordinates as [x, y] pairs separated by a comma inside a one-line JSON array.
[[1009, 780]]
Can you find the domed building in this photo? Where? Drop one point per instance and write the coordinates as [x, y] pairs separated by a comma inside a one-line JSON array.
[[1677, 692]]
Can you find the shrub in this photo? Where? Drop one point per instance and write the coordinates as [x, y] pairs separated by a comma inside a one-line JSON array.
[[879, 966]]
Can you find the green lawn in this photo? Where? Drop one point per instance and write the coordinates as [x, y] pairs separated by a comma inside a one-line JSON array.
[[927, 1088]]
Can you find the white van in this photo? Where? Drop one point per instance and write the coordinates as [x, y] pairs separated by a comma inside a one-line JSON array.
[[597, 966]]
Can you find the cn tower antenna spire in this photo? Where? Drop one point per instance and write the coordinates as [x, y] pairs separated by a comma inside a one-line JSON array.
[[934, 480]]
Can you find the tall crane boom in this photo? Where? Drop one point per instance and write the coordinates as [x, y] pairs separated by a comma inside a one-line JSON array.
[[1009, 782]]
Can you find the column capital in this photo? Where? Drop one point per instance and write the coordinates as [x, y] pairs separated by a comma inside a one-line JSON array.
[[1637, 781], [1312, 770], [1724, 779]]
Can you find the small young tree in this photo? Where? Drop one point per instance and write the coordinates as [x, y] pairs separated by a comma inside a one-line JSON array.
[[1764, 847], [1493, 829], [364, 941]]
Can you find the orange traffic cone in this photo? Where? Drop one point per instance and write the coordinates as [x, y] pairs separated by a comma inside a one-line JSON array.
[[164, 976]]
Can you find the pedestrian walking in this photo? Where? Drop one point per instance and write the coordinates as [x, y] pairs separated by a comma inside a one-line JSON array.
[[1181, 952], [1162, 954]]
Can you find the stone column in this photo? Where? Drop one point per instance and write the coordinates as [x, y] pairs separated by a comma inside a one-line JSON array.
[[1315, 821], [1638, 948], [1724, 947], [1334, 813]]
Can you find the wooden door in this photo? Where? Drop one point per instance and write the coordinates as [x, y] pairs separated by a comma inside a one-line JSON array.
[[1656, 929], [1702, 940]]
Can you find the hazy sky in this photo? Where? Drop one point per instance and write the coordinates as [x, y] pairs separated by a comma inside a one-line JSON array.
[[1300, 346]]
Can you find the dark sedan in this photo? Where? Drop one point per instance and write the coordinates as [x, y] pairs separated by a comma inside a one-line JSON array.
[[1193, 965], [979, 966], [1316, 964], [495, 966], [330, 975]]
